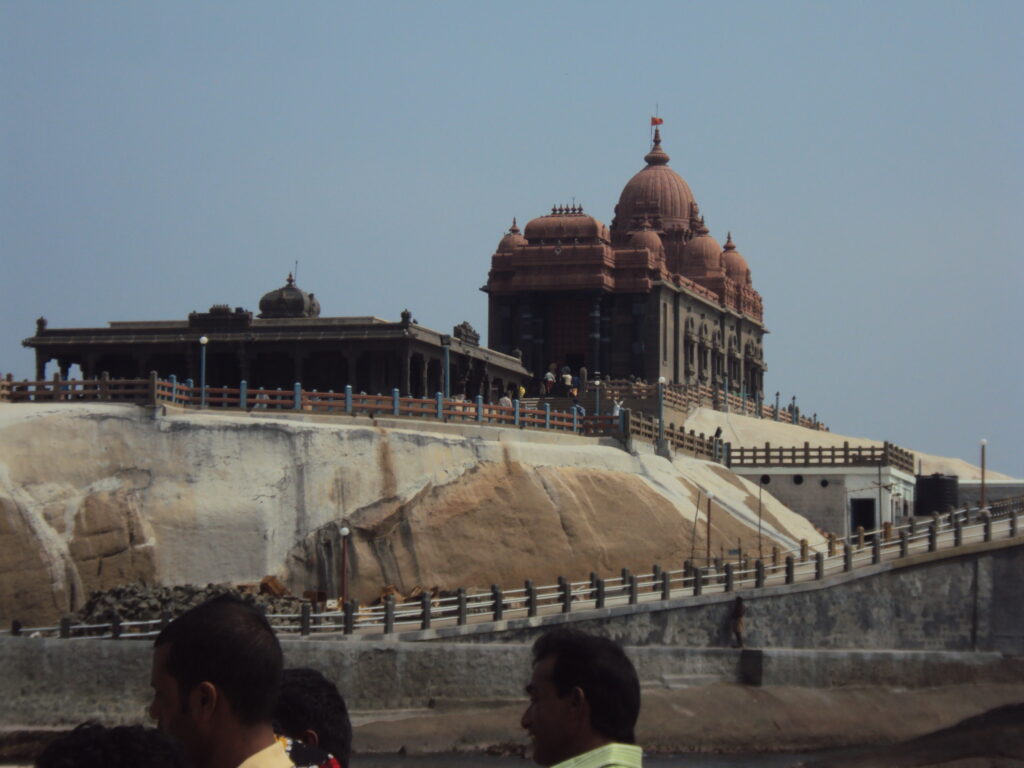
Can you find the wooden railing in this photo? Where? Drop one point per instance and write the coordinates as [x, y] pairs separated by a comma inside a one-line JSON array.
[[697, 445], [886, 454]]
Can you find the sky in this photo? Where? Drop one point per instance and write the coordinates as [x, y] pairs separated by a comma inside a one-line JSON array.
[[158, 158]]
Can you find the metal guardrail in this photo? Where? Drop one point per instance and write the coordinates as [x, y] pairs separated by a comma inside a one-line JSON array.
[[938, 533]]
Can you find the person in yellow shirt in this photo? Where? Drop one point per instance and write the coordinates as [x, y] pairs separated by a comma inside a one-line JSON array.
[[584, 703], [215, 676]]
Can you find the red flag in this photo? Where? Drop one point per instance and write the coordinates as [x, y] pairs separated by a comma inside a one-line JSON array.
[[656, 121]]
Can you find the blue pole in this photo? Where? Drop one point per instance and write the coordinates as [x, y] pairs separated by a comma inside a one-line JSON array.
[[395, 401], [202, 375], [480, 408], [297, 396], [440, 405], [575, 419], [174, 387], [547, 415], [447, 372], [189, 383], [348, 398], [243, 394], [515, 404]]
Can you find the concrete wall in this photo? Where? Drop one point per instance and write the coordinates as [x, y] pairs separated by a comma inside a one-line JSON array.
[[48, 682], [925, 602]]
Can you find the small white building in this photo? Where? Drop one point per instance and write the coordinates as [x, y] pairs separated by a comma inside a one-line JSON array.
[[838, 489]]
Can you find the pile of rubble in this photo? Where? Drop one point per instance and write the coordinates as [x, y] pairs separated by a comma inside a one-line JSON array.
[[139, 601]]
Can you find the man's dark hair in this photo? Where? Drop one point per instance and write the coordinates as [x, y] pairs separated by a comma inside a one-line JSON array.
[[602, 670], [309, 701], [127, 746], [229, 643]]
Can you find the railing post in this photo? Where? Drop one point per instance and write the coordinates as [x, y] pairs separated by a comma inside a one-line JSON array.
[[243, 394], [104, 393], [115, 627], [575, 419], [698, 581], [515, 412], [599, 602], [904, 543], [759, 573], [531, 598], [499, 607], [819, 565], [152, 387], [348, 399], [789, 569], [986, 521], [803, 550], [913, 525], [395, 401], [666, 586], [389, 614], [304, 618], [65, 627], [566, 590], [958, 533], [933, 536], [425, 610], [847, 557], [831, 544], [876, 549], [173, 381], [547, 415], [634, 589], [728, 577], [350, 616], [625, 575], [439, 402], [15, 628], [860, 537], [480, 409], [1013, 522], [656, 575], [297, 396]]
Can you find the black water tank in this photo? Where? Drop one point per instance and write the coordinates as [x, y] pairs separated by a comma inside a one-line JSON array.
[[936, 493]]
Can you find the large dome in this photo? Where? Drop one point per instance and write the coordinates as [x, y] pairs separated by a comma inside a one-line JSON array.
[[289, 301], [657, 192]]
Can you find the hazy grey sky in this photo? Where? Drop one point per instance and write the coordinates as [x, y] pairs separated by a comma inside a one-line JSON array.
[[160, 157]]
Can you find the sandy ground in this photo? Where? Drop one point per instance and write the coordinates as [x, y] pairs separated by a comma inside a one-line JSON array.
[[748, 431], [716, 718]]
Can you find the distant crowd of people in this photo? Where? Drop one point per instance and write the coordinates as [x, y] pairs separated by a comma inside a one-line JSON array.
[[222, 699]]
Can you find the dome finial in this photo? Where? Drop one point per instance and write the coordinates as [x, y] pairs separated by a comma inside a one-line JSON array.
[[291, 280], [657, 156], [514, 229], [657, 137], [729, 245]]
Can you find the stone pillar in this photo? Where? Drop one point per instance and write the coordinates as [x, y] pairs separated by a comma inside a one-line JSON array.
[[41, 361], [64, 367], [405, 382]]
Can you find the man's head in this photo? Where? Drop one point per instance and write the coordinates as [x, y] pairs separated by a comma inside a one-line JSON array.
[[584, 693], [311, 709], [216, 671], [127, 746]]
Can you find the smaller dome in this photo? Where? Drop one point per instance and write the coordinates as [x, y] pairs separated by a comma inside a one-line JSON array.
[[565, 224], [512, 239], [645, 237], [734, 263], [289, 301], [702, 255]]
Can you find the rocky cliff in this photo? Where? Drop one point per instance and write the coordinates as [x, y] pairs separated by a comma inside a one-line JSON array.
[[93, 495]]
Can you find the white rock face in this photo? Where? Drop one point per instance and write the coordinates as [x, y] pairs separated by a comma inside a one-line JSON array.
[[92, 495]]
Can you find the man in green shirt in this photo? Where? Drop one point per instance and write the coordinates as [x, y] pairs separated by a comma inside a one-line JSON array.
[[584, 702]]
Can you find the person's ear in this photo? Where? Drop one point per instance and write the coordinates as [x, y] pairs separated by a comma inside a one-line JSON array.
[[579, 704], [309, 736], [203, 701]]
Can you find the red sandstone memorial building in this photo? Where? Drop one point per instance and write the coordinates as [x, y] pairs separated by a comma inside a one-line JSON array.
[[654, 295]]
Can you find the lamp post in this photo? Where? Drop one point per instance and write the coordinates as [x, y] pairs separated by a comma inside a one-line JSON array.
[[984, 443], [344, 532], [203, 341], [661, 412], [708, 556], [597, 393]]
